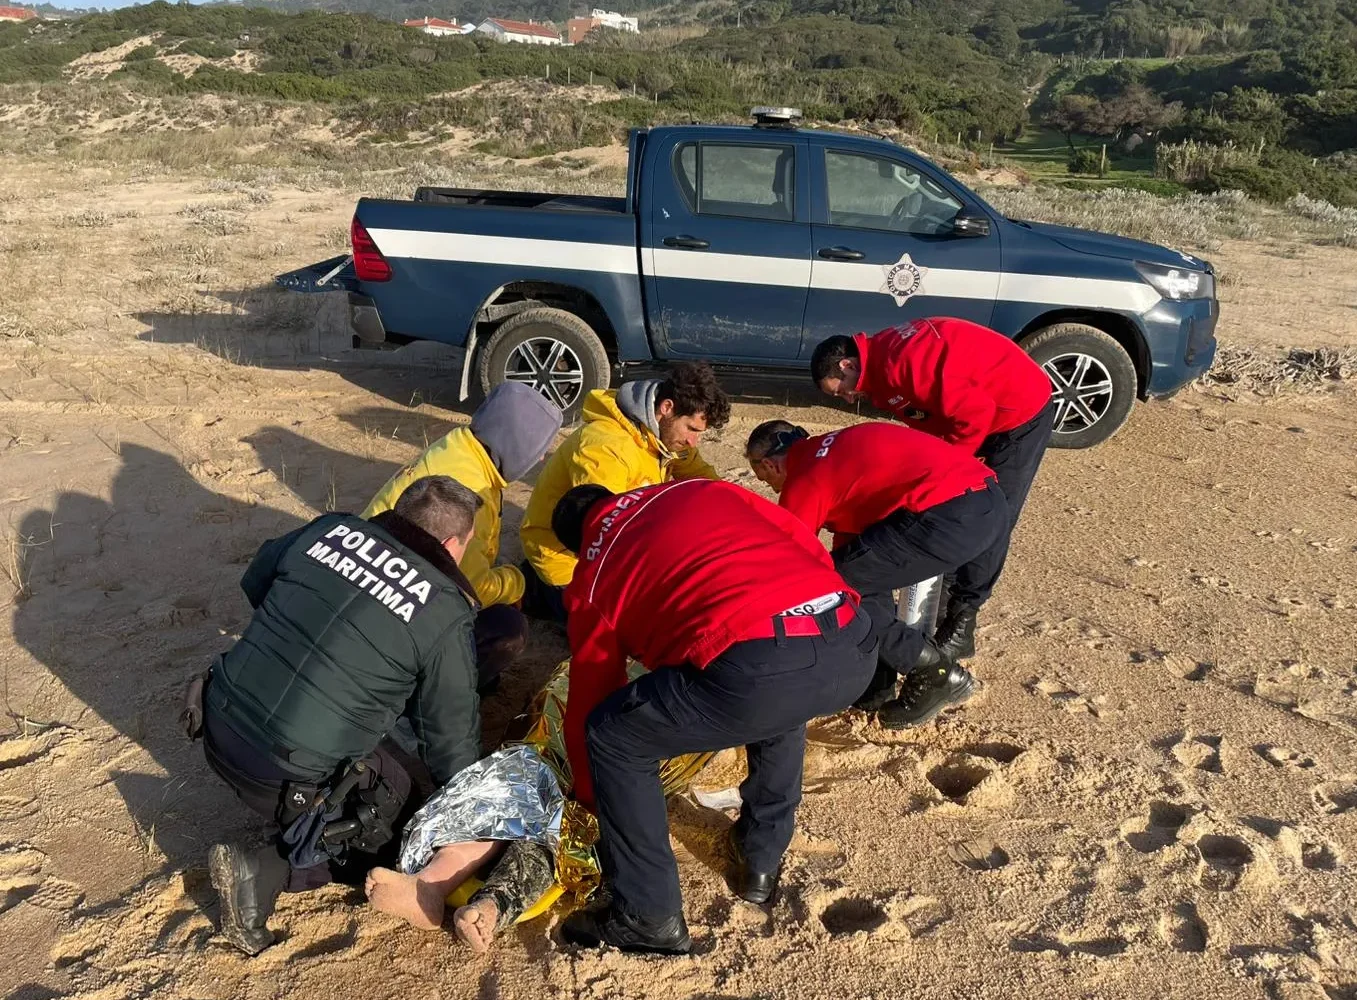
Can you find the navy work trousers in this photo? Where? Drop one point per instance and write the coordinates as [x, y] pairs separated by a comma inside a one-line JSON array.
[[1014, 456], [760, 694], [907, 548]]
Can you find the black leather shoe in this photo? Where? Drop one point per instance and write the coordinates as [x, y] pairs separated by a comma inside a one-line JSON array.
[[879, 691], [750, 885], [925, 693], [600, 925], [956, 635], [248, 884]]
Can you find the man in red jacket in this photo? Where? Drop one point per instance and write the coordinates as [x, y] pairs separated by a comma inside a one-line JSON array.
[[972, 387], [748, 632], [904, 506]]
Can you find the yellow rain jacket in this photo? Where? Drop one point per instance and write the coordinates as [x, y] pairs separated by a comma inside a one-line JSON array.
[[610, 450], [459, 455]]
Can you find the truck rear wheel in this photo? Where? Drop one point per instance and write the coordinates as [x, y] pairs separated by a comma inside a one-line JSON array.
[[1093, 382], [552, 350]]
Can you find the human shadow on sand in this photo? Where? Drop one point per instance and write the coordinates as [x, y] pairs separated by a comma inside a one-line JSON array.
[[266, 327], [133, 595]]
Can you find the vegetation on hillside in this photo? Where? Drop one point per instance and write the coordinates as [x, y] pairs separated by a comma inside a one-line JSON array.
[[1253, 94]]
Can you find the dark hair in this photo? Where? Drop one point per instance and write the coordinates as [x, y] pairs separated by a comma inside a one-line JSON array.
[[693, 387], [572, 510], [824, 362], [773, 437], [439, 505]]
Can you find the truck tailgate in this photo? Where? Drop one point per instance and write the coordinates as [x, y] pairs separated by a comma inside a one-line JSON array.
[[333, 275]]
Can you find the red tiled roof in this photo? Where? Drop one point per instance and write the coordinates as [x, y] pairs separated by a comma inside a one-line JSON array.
[[429, 22], [17, 13], [524, 28]]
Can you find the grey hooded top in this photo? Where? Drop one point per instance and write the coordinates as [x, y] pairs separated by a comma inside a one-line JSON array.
[[516, 425], [637, 401]]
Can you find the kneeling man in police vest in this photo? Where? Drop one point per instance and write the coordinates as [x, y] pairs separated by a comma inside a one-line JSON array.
[[904, 506], [748, 632], [356, 623]]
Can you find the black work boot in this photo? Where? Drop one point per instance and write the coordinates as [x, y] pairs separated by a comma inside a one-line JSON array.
[[606, 924], [248, 884], [880, 690], [930, 658], [926, 692], [749, 884], [956, 634]]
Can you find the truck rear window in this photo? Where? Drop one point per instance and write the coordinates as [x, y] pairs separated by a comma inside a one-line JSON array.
[[738, 179]]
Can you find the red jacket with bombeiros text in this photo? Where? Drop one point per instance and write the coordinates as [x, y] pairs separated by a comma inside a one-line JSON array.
[[952, 378], [678, 573], [850, 479]]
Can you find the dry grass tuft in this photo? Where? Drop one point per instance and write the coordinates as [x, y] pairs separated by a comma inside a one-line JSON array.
[[1297, 370]]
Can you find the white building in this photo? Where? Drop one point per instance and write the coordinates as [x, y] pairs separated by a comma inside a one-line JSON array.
[[614, 20], [437, 26], [527, 32]]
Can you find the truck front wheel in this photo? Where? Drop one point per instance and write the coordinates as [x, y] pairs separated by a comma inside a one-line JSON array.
[[1093, 382], [552, 350]]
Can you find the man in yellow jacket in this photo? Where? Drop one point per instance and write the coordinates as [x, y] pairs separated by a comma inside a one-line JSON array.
[[641, 434], [508, 435]]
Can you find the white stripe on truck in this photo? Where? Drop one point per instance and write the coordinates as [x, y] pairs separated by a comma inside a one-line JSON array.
[[561, 254], [752, 269]]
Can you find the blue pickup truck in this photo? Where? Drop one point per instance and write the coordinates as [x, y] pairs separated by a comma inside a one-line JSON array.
[[746, 246]]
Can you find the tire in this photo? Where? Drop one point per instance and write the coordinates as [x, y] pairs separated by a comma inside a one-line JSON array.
[[1077, 356], [524, 342]]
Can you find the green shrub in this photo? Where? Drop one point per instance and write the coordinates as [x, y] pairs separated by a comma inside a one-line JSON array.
[[140, 53], [208, 48], [1152, 185], [1086, 161], [1258, 182]]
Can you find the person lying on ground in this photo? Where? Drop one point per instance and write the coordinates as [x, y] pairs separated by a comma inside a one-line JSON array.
[[506, 810], [510, 806]]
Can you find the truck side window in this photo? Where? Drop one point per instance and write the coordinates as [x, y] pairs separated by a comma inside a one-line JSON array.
[[751, 182], [871, 192]]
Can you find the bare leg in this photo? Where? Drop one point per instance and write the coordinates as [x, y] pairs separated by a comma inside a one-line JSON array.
[[420, 899]]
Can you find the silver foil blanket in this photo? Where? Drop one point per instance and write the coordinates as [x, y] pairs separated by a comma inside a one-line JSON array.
[[510, 795]]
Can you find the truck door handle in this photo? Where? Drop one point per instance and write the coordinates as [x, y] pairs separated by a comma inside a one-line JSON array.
[[841, 253], [686, 242]]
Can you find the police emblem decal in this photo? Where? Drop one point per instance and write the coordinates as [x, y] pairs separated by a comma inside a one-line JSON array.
[[904, 279]]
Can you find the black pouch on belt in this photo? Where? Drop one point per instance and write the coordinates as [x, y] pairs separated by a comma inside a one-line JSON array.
[[309, 811]]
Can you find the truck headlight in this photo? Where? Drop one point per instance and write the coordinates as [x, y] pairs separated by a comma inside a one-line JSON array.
[[1177, 283]]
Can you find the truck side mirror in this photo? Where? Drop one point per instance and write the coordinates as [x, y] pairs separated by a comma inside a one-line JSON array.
[[969, 222]]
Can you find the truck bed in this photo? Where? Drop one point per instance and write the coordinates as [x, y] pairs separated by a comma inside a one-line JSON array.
[[520, 199]]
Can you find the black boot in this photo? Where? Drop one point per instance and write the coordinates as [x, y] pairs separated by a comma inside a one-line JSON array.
[[749, 884], [956, 633], [880, 690], [926, 692], [606, 924], [930, 658], [248, 884]]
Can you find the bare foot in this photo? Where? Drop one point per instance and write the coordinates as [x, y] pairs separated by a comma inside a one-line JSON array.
[[417, 903], [475, 924]]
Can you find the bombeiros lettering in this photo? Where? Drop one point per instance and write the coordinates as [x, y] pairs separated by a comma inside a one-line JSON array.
[[621, 503], [373, 566], [825, 443]]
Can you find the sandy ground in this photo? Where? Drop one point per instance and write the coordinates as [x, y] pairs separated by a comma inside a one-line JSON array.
[[1154, 793]]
